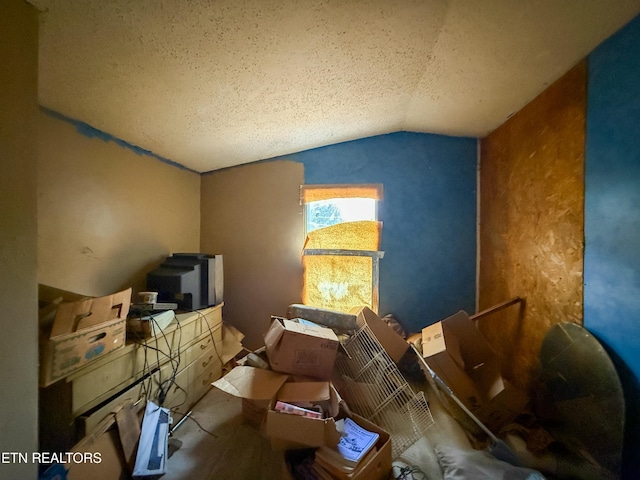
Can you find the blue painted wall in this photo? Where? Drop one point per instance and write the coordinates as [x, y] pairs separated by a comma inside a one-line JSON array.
[[612, 213], [428, 214]]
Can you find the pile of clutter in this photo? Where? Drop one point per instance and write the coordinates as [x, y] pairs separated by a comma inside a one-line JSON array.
[[307, 389], [290, 393]]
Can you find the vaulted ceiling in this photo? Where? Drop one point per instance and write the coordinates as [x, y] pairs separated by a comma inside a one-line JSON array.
[[214, 83]]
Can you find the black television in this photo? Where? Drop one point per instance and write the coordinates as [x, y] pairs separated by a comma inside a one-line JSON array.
[[192, 280]]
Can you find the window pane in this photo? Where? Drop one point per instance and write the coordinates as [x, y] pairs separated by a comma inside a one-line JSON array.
[[361, 235], [325, 213], [338, 282]]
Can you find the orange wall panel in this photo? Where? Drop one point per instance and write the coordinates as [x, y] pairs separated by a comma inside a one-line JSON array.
[[532, 222]]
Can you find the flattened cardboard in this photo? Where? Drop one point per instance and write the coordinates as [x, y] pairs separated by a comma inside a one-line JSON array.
[[129, 431], [301, 349], [83, 331], [231, 342], [459, 354], [393, 344], [251, 383], [103, 453]]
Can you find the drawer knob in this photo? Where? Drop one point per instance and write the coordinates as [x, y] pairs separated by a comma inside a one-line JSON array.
[[204, 364], [206, 380]]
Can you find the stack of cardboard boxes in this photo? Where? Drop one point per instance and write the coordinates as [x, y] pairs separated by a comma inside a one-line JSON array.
[[298, 364], [294, 402]]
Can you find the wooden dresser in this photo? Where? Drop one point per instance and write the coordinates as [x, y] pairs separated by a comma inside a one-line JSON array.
[[173, 369]]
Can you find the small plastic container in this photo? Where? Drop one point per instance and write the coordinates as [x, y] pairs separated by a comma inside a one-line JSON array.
[[148, 297]]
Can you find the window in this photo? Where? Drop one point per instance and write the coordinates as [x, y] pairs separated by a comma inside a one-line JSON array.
[[341, 252], [327, 205], [325, 213]]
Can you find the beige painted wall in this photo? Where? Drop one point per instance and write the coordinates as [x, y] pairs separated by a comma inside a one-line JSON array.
[[18, 230], [107, 215], [252, 216]]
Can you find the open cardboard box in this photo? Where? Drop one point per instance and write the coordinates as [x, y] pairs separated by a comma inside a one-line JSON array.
[[459, 354], [301, 349], [260, 389], [376, 466], [256, 387], [293, 431], [373, 467], [83, 331], [358, 317]]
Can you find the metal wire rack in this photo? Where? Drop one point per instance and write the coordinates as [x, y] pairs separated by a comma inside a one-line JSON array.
[[374, 388]]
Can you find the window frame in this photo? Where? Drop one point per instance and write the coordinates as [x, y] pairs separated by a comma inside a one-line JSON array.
[[315, 192]]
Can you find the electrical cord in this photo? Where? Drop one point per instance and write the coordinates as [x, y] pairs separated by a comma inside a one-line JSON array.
[[164, 386], [190, 417], [213, 340]]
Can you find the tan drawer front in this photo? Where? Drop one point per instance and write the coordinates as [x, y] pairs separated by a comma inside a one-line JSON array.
[[205, 362], [200, 347], [95, 386], [113, 372], [194, 324], [202, 382]]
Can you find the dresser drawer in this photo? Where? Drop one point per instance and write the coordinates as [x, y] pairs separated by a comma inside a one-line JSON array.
[[201, 382], [195, 324], [208, 361], [95, 386], [203, 344], [98, 385], [178, 396], [134, 373]]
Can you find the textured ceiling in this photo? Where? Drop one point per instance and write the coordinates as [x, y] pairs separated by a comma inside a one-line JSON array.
[[210, 84]]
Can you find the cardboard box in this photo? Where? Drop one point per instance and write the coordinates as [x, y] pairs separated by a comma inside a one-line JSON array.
[[48, 300], [260, 389], [293, 431], [256, 386], [376, 466], [301, 349], [149, 325], [394, 344], [83, 331], [459, 354]]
